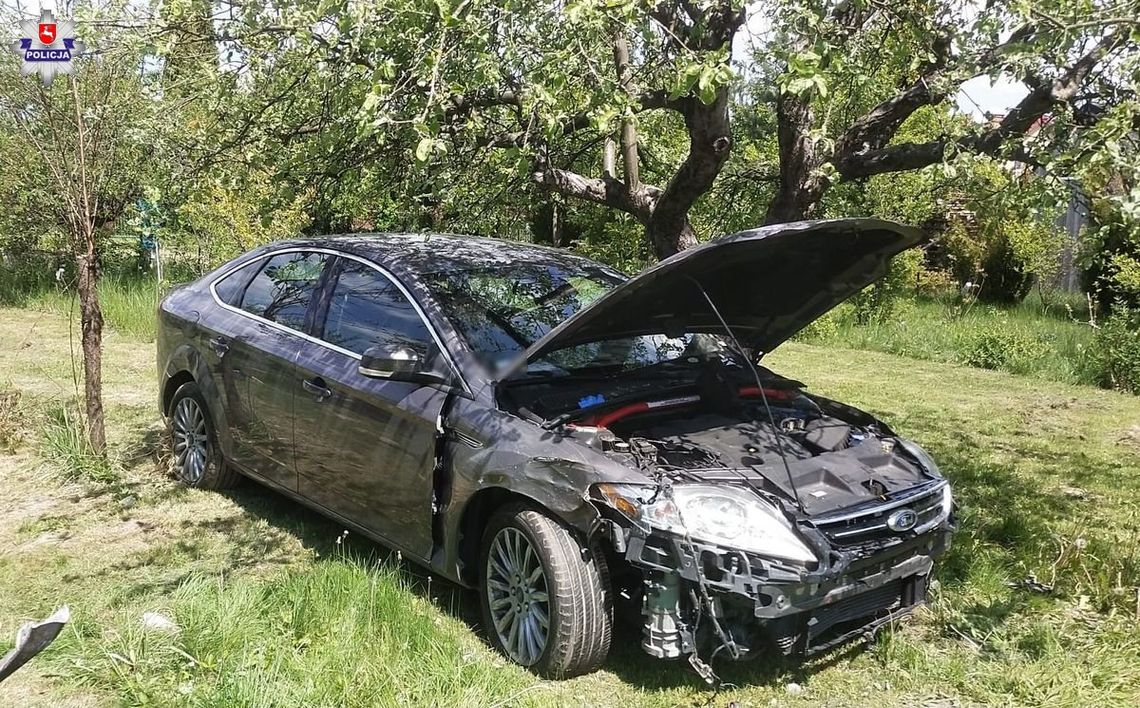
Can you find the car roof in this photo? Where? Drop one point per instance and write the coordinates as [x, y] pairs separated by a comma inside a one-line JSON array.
[[432, 253]]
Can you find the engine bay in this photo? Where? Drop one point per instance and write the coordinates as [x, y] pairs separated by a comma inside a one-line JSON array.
[[820, 455]]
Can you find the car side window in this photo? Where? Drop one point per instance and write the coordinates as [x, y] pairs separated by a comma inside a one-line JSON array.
[[367, 309], [281, 291], [231, 287]]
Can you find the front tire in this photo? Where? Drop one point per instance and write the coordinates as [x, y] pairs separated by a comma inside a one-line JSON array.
[[545, 597], [196, 457]]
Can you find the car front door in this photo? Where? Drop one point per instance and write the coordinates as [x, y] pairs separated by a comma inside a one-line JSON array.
[[257, 350], [365, 447]]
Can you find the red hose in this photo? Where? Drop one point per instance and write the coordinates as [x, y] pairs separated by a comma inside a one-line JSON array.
[[619, 413], [607, 419], [642, 406], [776, 394]]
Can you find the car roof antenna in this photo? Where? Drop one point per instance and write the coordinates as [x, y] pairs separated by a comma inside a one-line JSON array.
[[763, 396]]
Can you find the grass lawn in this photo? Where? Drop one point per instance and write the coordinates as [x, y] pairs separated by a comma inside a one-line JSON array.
[[276, 608]]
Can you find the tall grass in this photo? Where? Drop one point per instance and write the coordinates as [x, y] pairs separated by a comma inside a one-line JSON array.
[[1032, 338], [346, 632], [128, 303], [64, 443]]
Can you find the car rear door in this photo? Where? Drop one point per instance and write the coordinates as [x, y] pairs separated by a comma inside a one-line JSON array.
[[257, 349], [365, 447]]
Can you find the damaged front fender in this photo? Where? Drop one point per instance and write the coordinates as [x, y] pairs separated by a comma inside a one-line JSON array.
[[489, 458]]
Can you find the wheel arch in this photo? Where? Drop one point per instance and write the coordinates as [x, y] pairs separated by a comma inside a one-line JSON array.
[[185, 365], [477, 513], [172, 385], [483, 504]]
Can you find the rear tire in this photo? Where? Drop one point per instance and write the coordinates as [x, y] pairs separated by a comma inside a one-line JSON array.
[[545, 597], [196, 457]]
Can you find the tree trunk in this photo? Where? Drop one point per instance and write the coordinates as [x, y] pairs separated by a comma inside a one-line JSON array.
[[793, 202], [800, 188], [669, 241], [710, 141], [556, 226], [91, 326]]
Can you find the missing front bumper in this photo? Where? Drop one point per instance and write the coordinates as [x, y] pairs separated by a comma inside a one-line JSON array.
[[722, 603], [858, 616]]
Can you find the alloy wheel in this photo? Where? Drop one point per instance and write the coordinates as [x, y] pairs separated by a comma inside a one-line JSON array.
[[518, 596], [191, 440]]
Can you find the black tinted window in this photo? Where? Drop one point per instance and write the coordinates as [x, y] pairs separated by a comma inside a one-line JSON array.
[[229, 288], [282, 290], [367, 309]]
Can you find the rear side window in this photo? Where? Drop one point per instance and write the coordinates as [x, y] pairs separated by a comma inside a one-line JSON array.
[[282, 290], [367, 309], [230, 288]]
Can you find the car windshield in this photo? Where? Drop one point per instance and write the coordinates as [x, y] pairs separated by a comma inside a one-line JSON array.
[[501, 310]]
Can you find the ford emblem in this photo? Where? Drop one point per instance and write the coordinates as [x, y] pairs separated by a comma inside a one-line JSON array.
[[902, 520]]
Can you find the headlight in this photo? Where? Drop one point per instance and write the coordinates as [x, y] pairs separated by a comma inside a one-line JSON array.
[[727, 516], [947, 501]]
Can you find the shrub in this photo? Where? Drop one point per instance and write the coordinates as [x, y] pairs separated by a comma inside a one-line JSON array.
[[825, 329], [1000, 347], [935, 283], [1116, 350], [1006, 276], [997, 234], [1005, 256], [878, 303], [1110, 258]]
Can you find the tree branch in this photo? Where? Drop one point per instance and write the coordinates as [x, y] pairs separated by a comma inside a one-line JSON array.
[[628, 128], [1043, 96], [606, 191]]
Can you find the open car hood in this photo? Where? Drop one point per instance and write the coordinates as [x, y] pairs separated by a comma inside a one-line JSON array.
[[768, 283]]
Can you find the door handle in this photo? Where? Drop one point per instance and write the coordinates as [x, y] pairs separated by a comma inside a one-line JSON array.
[[317, 387], [219, 345]]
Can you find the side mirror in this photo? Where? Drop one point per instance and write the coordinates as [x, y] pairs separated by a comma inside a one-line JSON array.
[[398, 362]]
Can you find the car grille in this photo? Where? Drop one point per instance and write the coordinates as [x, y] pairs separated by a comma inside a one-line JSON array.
[[861, 608], [869, 528]]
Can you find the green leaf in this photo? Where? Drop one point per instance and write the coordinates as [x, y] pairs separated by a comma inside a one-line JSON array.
[[820, 85], [424, 149]]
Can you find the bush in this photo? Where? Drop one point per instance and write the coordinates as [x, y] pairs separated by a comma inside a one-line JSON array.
[[1116, 350], [1005, 256], [1110, 258], [608, 237], [935, 283], [1006, 276], [26, 275], [824, 329], [879, 302], [1000, 347]]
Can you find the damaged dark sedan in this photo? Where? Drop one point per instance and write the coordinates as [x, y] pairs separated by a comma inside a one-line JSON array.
[[570, 442]]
